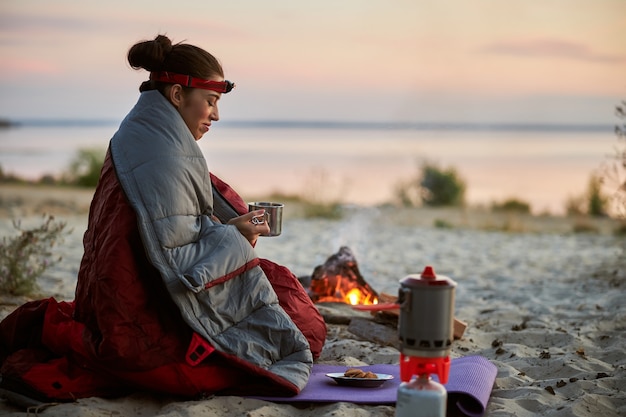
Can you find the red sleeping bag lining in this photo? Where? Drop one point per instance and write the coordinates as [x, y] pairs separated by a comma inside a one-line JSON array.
[[123, 333]]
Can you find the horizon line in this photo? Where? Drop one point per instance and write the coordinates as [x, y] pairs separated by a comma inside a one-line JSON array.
[[335, 124]]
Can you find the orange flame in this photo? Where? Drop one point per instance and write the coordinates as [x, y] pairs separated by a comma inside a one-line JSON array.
[[336, 288], [356, 296]]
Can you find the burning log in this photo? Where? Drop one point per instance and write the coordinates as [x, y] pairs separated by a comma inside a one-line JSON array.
[[339, 280]]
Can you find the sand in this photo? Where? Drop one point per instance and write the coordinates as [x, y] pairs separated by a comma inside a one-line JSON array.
[[544, 304]]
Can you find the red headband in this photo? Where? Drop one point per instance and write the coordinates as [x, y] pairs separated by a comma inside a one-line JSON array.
[[189, 81]]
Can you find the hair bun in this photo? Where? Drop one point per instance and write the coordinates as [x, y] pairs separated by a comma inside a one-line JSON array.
[[165, 44], [150, 55]]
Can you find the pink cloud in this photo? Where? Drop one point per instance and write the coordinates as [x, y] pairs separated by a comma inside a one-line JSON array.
[[551, 48], [20, 67]]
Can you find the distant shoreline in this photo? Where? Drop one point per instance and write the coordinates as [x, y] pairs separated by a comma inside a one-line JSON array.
[[352, 125]]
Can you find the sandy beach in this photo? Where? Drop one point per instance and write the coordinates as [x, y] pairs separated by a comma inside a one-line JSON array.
[[542, 303]]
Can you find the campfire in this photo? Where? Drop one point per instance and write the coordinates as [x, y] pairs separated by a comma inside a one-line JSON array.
[[339, 280]]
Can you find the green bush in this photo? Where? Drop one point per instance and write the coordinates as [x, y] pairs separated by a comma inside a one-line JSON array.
[[25, 257], [592, 203], [84, 170], [442, 224], [433, 186], [512, 205], [441, 187], [597, 202]]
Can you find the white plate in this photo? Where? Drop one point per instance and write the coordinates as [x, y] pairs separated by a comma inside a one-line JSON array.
[[360, 382]]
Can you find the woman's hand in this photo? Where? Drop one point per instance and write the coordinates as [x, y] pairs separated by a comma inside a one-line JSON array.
[[251, 225]]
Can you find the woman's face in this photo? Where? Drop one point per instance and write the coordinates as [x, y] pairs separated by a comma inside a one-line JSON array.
[[198, 109]]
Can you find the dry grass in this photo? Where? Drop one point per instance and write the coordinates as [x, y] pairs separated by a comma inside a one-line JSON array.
[[481, 219], [17, 201], [21, 200]]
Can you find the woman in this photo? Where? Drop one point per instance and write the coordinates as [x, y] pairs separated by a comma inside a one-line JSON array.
[[170, 294]]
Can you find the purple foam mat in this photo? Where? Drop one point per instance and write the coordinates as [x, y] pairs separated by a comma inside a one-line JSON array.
[[469, 386]]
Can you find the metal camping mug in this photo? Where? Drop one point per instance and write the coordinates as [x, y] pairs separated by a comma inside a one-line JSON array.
[[273, 215]]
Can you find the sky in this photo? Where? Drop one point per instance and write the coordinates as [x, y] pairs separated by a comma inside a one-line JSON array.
[[479, 61]]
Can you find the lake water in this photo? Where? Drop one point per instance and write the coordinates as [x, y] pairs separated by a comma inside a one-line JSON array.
[[356, 164]]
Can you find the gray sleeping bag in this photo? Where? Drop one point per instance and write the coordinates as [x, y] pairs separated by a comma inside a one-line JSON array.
[[210, 270]]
